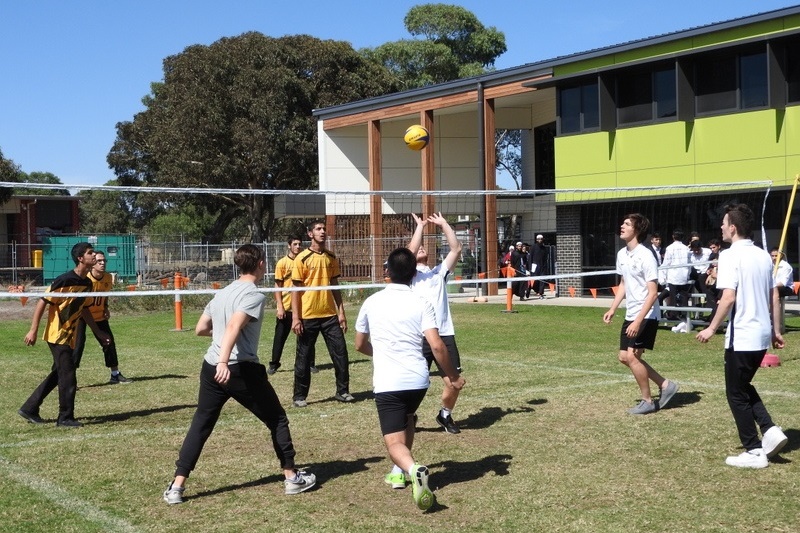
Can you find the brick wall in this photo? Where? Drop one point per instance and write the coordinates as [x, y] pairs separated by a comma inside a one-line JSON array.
[[569, 248]]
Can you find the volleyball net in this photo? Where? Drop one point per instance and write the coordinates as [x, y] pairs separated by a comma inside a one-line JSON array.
[[580, 229]]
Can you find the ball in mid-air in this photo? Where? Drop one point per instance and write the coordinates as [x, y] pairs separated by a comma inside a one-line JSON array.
[[416, 137]]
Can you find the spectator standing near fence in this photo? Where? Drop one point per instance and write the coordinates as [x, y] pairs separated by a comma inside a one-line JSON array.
[[101, 282], [318, 311], [784, 274], [539, 267], [231, 369], [751, 303], [66, 308], [639, 287], [390, 328], [677, 271]]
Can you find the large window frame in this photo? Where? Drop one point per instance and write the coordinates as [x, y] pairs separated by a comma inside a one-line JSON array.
[[731, 81], [646, 95], [579, 108]]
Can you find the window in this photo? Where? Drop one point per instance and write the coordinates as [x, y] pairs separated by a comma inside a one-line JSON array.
[[753, 80], [579, 108], [793, 72], [716, 84], [664, 93], [643, 96], [730, 82]]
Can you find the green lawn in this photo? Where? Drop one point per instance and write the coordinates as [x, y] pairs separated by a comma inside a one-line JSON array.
[[546, 442]]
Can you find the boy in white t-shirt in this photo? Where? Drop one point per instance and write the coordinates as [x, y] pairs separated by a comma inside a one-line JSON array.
[[390, 328], [639, 286], [744, 275]]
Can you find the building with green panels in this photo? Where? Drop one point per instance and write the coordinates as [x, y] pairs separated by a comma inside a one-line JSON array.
[[708, 105]]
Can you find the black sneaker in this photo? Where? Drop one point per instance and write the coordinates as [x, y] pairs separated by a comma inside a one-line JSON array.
[[313, 369], [33, 418], [447, 423], [69, 423], [272, 369], [118, 378]]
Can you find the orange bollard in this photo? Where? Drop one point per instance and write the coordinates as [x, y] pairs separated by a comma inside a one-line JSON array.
[[178, 304], [552, 287], [215, 285], [24, 300], [509, 271], [131, 287], [572, 292], [164, 283], [594, 293], [614, 289]]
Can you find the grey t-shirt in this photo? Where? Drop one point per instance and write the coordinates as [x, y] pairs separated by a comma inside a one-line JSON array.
[[238, 296]]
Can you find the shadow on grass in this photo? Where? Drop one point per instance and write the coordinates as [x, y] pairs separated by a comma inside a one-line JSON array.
[[793, 444], [451, 472], [486, 417], [136, 379], [323, 471], [118, 417], [683, 398]]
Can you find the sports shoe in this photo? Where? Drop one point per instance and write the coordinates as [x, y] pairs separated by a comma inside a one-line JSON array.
[[313, 369], [346, 397], [422, 495], [302, 482], [397, 481], [643, 408], [750, 459], [173, 495], [667, 393], [272, 369], [118, 378], [447, 423], [33, 418], [69, 423], [773, 441], [300, 403]]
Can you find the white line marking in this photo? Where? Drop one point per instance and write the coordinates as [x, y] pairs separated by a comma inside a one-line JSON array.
[[64, 499]]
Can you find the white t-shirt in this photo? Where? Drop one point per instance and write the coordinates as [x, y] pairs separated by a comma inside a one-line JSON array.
[[432, 285], [676, 254], [702, 257], [637, 267], [785, 275], [238, 296], [395, 319], [747, 269]]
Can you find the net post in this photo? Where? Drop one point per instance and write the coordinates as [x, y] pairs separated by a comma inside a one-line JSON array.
[[509, 271]]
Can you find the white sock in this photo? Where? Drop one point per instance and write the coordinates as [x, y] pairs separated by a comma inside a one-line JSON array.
[[115, 372], [397, 470], [445, 412]]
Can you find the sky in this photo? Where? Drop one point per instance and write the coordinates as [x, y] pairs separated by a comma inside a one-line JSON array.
[[71, 70]]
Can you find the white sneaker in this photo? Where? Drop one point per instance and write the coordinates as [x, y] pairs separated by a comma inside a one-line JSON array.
[[680, 328], [773, 441], [750, 459]]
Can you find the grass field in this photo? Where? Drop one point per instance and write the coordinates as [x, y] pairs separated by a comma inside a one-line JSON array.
[[546, 442]]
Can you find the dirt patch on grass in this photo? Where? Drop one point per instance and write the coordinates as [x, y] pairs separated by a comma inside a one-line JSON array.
[[14, 310]]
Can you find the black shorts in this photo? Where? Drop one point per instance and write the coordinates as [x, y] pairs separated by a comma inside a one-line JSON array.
[[646, 338], [452, 352], [395, 407]]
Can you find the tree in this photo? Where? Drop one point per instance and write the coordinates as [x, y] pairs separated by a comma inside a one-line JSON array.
[[237, 114], [106, 211], [454, 45], [9, 172], [40, 177], [508, 155]]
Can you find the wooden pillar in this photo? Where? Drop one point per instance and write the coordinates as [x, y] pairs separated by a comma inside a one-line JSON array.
[[491, 200], [428, 182], [376, 204]]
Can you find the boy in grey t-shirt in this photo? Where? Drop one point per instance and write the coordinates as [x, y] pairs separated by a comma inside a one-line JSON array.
[[231, 369]]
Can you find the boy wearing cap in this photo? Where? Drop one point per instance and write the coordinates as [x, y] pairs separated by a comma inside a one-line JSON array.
[[539, 264]]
